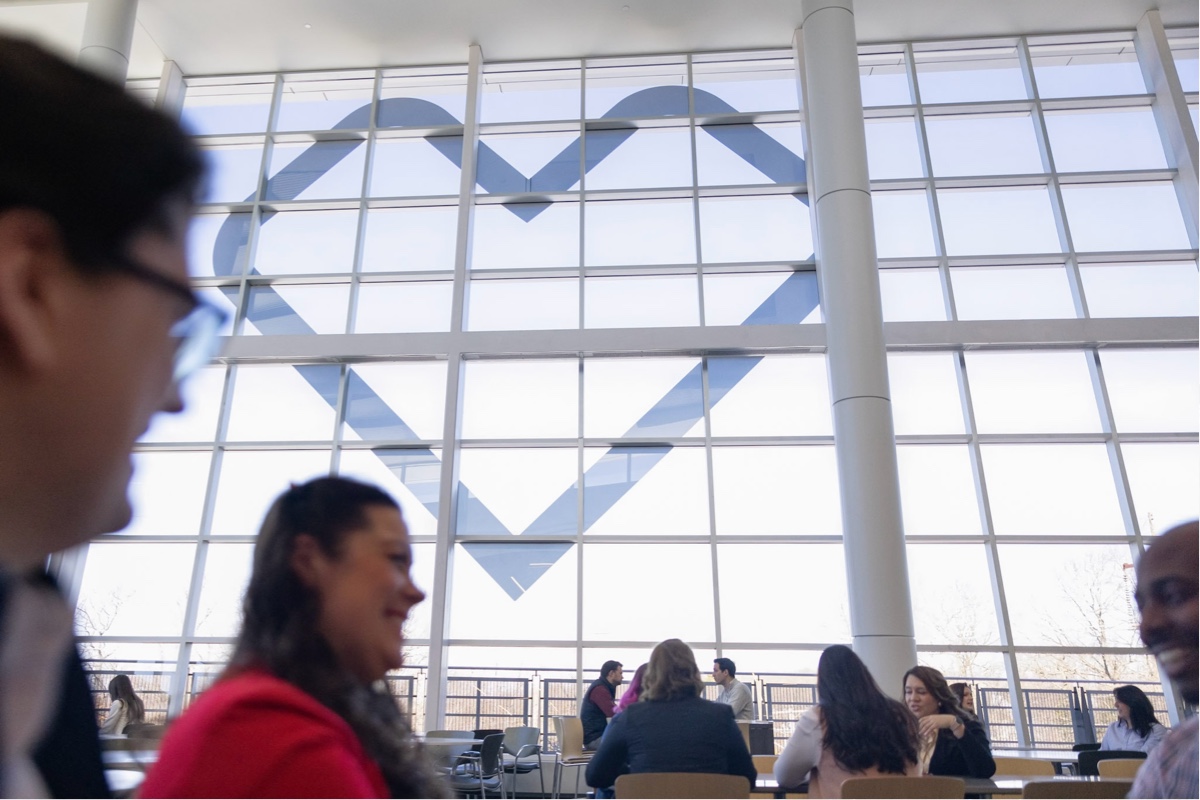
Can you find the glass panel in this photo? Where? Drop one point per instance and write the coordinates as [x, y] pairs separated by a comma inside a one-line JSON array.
[[524, 304], [750, 154], [282, 402], [227, 298], [631, 397], [1152, 390], [924, 389], [526, 92], [499, 587], [515, 236], [681, 596], [1105, 139], [611, 81], [283, 309], [784, 395], [149, 665], [969, 74], [231, 108], [771, 228], [649, 157], [110, 604], [233, 173], [639, 232], [746, 82], [1051, 489], [1086, 69], [441, 93], [226, 574], [902, 224], [410, 239], [1033, 292], [167, 492], [417, 624], [404, 400], [1032, 392], [1165, 482], [1125, 217], [911, 295], [306, 242], [937, 492], [1141, 290], [776, 491], [412, 476], [201, 403], [203, 257], [993, 144], [325, 102], [548, 161], [968, 217], [1070, 595], [660, 491], [1187, 60], [761, 298], [883, 78], [310, 171], [509, 491], [513, 399], [403, 307], [651, 301], [252, 479], [758, 576], [415, 167], [952, 595], [892, 148]]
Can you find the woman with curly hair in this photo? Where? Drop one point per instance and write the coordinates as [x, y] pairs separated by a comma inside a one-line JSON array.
[[302, 710], [952, 742], [1136, 727], [854, 731]]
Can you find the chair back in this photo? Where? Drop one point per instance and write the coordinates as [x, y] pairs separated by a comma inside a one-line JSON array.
[[489, 754], [569, 731], [744, 727], [1120, 768], [765, 763], [901, 786], [1023, 766], [682, 785], [1079, 748], [521, 740], [1088, 759], [1102, 790]]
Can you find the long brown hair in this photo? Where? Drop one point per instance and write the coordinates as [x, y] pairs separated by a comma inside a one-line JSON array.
[[863, 726], [672, 673], [279, 627]]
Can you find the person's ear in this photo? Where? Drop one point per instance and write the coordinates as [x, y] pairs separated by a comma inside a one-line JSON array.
[[309, 561], [32, 262]]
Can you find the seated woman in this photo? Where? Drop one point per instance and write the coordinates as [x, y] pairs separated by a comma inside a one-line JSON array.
[[126, 706], [1136, 727], [952, 742], [301, 710], [962, 693], [671, 728], [854, 731]]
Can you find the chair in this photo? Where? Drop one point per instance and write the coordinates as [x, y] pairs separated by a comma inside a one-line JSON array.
[[744, 727], [1120, 768], [1023, 766], [765, 763], [522, 742], [481, 773], [1089, 758], [682, 784], [1079, 748], [1048, 790], [569, 731], [890, 786]]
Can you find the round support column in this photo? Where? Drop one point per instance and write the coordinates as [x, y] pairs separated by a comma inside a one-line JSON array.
[[864, 437], [107, 38]]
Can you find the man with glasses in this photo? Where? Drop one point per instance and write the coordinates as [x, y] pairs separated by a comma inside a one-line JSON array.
[[97, 328]]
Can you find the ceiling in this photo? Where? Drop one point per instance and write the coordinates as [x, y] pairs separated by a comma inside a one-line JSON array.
[[238, 36]]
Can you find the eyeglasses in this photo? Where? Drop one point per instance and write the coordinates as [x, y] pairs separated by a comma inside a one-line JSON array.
[[197, 331]]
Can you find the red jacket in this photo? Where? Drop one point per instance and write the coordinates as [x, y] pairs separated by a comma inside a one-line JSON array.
[[254, 735]]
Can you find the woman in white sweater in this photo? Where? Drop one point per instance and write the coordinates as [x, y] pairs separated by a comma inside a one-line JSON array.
[[126, 706]]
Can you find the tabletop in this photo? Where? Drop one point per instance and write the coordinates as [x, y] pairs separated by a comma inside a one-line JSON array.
[[1015, 784]]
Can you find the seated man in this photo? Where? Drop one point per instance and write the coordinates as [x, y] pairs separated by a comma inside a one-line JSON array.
[[599, 703], [734, 693]]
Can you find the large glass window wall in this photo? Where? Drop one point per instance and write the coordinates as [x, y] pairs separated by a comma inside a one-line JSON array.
[[594, 375]]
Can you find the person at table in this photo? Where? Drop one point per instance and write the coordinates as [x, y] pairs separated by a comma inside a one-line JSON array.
[[1136, 727], [962, 693], [734, 693], [951, 741], [599, 703], [126, 706], [854, 731], [1169, 603], [672, 728], [631, 694], [301, 710]]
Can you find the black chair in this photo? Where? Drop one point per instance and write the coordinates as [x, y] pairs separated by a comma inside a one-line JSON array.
[[1079, 748], [1088, 759], [482, 774]]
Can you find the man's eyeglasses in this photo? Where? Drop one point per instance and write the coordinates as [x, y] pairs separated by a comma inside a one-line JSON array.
[[196, 332]]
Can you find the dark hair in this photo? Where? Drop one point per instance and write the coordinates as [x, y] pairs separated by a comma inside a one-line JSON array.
[[727, 665], [864, 727], [279, 626], [608, 667], [100, 163], [671, 673], [935, 684], [121, 688], [1141, 712], [960, 690]]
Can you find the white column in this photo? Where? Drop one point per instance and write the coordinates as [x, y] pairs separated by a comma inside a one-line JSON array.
[[839, 196], [107, 37]]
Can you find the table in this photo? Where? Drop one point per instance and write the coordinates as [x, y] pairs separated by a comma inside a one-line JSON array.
[[1059, 758], [446, 750], [766, 784], [1015, 784]]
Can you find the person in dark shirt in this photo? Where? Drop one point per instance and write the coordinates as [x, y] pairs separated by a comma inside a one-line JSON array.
[[599, 703], [952, 742]]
